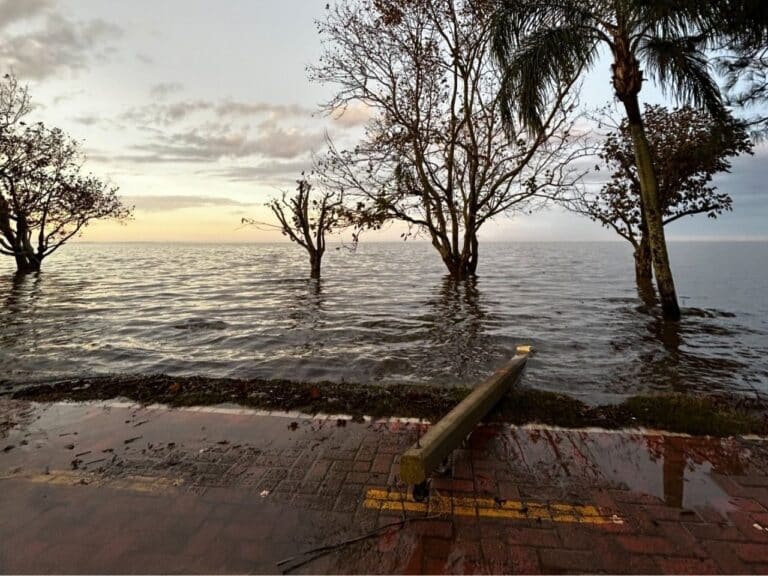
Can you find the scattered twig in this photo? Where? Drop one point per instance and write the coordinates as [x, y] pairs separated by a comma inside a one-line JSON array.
[[323, 550]]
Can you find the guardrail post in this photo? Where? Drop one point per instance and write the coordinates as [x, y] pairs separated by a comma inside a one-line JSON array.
[[447, 434]]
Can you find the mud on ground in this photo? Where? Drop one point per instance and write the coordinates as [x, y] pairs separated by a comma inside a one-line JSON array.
[[699, 415]]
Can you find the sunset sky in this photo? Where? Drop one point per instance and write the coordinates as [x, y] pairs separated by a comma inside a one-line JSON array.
[[201, 110]]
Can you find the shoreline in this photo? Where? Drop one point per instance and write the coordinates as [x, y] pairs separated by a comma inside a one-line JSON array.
[[712, 415]]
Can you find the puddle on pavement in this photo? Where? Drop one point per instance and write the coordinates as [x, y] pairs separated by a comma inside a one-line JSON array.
[[681, 471]]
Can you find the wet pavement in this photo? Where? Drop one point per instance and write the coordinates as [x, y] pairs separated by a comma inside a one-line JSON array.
[[118, 488]]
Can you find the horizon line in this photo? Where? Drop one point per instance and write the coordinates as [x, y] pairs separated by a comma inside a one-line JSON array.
[[732, 239]]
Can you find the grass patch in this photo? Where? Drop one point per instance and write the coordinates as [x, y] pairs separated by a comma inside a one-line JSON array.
[[326, 397], [697, 415], [692, 414]]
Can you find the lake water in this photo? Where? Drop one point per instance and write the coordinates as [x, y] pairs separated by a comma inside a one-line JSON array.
[[386, 313]]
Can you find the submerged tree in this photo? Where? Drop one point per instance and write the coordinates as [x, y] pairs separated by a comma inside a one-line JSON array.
[[688, 147], [544, 44], [435, 153], [45, 198], [306, 216]]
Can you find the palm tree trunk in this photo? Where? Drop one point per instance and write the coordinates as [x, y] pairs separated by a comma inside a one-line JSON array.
[[649, 193]]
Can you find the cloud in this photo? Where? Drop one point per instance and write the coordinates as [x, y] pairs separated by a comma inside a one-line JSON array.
[[746, 182], [164, 89], [66, 97], [168, 113], [234, 108], [171, 202], [352, 115], [278, 172], [50, 42], [206, 145], [274, 139], [12, 11], [88, 120], [165, 114], [205, 131]]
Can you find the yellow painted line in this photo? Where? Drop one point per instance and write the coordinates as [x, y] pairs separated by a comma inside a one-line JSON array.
[[377, 499], [131, 483]]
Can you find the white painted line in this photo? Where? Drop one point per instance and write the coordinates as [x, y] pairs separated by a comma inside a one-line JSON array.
[[369, 419]]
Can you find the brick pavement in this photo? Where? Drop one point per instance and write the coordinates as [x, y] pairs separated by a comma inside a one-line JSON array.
[[122, 489]]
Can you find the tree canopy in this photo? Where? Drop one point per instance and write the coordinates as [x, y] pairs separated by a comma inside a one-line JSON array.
[[543, 45], [688, 148], [306, 216], [435, 154], [46, 198]]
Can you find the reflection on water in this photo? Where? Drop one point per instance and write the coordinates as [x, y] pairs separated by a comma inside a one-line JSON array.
[[387, 313], [628, 477], [21, 296], [681, 472], [20, 305], [672, 359], [693, 461], [647, 294], [455, 326]]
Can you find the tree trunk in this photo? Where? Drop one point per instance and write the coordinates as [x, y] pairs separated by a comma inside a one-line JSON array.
[[458, 269], [643, 261], [315, 260], [462, 265], [652, 210], [475, 254], [644, 272], [26, 265]]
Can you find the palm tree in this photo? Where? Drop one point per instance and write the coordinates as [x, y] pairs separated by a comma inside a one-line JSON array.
[[543, 44]]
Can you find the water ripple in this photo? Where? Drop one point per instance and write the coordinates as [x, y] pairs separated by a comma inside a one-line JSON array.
[[388, 314]]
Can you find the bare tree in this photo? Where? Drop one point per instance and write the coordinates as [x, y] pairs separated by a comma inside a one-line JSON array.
[[305, 217], [14, 102], [688, 147], [436, 154], [45, 198]]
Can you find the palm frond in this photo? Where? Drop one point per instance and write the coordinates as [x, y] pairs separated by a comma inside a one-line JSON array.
[[742, 24], [682, 69], [674, 18], [535, 66]]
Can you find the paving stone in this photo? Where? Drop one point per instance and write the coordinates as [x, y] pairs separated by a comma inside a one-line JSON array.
[[672, 565], [178, 502]]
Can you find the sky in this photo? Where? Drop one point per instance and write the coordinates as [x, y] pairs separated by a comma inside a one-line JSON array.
[[200, 111]]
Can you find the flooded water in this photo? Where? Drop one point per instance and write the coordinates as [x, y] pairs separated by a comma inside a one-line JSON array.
[[386, 313]]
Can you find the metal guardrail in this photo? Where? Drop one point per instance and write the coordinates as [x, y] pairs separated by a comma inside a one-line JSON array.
[[419, 461]]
